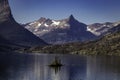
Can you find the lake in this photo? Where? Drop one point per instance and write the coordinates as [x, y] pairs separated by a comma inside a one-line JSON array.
[[74, 67]]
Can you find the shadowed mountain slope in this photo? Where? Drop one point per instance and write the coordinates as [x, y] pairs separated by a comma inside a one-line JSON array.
[[14, 32]]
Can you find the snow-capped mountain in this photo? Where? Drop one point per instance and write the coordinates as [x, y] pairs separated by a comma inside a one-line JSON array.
[[100, 29], [60, 31], [14, 32], [43, 25]]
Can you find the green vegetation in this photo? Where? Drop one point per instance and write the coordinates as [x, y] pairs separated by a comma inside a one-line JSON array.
[[108, 45]]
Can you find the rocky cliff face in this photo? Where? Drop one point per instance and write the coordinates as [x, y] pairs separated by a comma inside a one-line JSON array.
[[14, 32], [5, 12]]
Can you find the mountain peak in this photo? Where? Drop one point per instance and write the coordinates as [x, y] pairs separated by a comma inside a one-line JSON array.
[[71, 17], [42, 19]]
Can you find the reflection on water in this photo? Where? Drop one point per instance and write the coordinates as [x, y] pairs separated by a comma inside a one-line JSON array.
[[56, 64], [56, 69], [35, 67], [103, 68]]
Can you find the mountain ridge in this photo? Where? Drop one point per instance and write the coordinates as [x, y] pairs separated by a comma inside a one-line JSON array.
[[60, 31], [100, 29]]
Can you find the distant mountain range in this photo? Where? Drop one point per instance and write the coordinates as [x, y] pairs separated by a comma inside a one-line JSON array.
[[60, 31], [12, 32], [100, 29], [107, 45], [69, 30]]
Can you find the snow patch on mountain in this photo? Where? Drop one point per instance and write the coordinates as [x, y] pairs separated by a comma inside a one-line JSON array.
[[46, 25], [55, 22], [32, 23], [99, 29], [93, 31], [39, 24]]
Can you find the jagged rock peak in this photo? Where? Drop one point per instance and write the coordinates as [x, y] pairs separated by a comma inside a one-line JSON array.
[[71, 17], [5, 12], [42, 19]]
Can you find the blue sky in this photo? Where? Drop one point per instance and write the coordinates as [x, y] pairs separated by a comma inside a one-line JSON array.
[[86, 11]]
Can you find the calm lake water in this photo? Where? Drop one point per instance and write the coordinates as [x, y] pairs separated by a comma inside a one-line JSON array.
[[35, 67]]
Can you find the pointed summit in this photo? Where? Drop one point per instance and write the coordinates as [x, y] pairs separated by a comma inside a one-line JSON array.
[[71, 17]]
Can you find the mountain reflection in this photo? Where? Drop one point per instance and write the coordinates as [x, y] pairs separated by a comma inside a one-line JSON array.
[[103, 68]]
